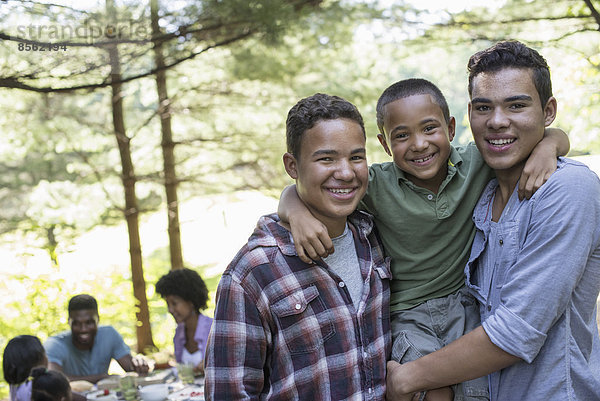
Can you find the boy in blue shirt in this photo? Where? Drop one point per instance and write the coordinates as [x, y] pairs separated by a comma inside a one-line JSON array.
[[422, 204], [535, 264]]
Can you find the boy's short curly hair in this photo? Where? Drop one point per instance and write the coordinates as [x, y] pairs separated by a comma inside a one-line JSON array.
[[186, 284], [406, 88], [309, 111]]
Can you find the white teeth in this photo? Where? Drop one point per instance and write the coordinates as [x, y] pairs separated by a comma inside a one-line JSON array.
[[340, 190], [423, 159], [498, 142]]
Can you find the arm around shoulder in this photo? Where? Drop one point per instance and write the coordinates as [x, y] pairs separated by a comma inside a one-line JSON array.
[[311, 238], [542, 162]]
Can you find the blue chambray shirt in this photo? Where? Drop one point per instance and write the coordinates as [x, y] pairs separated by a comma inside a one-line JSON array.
[[536, 273]]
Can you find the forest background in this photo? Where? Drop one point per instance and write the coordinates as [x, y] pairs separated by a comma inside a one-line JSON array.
[[144, 136]]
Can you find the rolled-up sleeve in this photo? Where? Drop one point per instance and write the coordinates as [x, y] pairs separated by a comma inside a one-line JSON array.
[[556, 242]]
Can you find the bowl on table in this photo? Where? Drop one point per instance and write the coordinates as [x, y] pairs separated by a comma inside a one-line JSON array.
[[154, 392]]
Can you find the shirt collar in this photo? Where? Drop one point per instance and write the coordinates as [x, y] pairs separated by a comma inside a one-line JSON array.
[[269, 233]]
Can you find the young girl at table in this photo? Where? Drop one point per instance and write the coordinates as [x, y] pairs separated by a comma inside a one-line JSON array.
[[49, 385], [186, 294], [21, 355]]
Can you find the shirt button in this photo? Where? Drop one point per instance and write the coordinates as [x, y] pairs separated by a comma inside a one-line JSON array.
[[365, 355], [341, 284], [430, 197], [489, 308], [501, 242], [370, 390], [298, 306]]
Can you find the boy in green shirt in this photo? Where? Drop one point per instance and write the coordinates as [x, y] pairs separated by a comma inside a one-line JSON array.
[[422, 204]]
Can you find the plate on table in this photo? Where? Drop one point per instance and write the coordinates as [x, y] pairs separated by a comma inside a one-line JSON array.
[[190, 393], [102, 395], [161, 376], [108, 383]]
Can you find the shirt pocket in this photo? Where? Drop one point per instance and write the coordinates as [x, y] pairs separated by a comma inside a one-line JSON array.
[[508, 248], [303, 320]]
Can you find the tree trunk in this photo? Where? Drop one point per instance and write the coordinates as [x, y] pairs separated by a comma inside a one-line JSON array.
[[143, 330], [164, 112]]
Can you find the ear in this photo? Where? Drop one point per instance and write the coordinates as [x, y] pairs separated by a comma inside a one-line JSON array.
[[291, 165], [550, 111], [383, 143], [451, 129]]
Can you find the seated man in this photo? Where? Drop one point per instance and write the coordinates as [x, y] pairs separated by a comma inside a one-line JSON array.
[[85, 352], [285, 329]]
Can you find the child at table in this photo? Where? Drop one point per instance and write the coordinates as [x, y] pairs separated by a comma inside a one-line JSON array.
[[21, 355], [49, 385]]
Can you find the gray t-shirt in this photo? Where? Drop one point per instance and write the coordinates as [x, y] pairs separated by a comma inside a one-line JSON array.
[[344, 263]]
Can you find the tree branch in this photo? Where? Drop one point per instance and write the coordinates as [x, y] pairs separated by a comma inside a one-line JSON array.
[[594, 12], [14, 83]]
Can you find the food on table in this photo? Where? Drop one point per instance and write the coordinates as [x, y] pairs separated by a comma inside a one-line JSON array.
[[81, 386]]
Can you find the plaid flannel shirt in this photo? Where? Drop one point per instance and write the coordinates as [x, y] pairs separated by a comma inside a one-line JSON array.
[[287, 330]]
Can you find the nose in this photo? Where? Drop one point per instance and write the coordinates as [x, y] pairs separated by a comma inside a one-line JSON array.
[[344, 171], [498, 119], [420, 142]]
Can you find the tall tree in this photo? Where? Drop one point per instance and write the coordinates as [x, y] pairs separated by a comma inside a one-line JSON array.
[[167, 144], [143, 329]]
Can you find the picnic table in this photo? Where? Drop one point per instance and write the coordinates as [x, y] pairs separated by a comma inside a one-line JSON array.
[[159, 385]]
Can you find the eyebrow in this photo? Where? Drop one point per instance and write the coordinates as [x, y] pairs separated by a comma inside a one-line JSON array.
[[508, 99], [335, 152], [422, 122]]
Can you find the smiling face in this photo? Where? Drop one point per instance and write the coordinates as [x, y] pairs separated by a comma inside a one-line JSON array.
[[84, 325], [507, 119], [331, 172], [179, 308], [417, 136]]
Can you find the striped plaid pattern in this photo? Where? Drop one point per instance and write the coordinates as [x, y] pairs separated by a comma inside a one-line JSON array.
[[286, 330]]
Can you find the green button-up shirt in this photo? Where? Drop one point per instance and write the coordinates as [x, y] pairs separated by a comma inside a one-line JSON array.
[[427, 235]]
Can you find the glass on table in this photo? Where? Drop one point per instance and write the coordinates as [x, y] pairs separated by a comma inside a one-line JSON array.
[[185, 372], [128, 387]]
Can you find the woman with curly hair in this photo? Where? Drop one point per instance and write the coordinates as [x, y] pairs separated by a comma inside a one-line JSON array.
[[186, 294]]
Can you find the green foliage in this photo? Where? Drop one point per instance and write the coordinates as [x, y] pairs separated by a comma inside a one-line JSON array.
[[59, 168]]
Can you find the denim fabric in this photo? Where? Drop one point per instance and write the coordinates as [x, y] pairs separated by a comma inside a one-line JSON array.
[[536, 274], [432, 325]]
